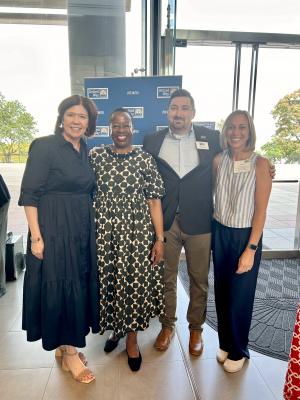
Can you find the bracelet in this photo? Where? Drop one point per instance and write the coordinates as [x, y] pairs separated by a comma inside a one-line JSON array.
[[160, 239], [35, 240]]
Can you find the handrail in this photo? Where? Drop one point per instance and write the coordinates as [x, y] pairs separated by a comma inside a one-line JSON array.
[[285, 180]]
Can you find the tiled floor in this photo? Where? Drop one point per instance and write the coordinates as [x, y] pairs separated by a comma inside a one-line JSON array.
[[28, 372]]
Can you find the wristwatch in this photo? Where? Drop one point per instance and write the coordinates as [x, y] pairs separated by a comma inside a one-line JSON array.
[[38, 239], [252, 246], [161, 239]]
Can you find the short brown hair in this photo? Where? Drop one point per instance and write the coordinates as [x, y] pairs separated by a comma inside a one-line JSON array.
[[76, 100], [182, 93]]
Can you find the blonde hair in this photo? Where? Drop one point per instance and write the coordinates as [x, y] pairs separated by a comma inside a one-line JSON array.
[[250, 146]]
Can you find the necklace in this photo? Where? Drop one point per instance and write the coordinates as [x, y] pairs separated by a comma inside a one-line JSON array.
[[114, 150]]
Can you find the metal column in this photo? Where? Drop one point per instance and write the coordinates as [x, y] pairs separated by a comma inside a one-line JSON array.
[[155, 34], [252, 80], [236, 79]]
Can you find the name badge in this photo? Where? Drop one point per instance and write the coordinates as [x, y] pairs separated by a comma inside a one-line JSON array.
[[241, 166], [202, 145]]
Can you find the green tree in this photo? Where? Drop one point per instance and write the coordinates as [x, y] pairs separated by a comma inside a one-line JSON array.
[[17, 128], [285, 144]]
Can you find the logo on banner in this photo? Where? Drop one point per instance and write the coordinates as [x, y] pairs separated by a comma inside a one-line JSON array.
[[206, 124], [164, 92], [135, 112], [102, 131], [160, 127], [132, 92], [97, 93]]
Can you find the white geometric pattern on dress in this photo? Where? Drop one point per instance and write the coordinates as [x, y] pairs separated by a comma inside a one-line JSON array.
[[131, 289]]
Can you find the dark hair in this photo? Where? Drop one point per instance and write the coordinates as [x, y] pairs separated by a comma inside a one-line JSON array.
[[182, 93], [72, 101], [116, 110]]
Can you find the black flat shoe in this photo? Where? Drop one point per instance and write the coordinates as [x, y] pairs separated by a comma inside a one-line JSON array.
[[110, 345], [134, 362]]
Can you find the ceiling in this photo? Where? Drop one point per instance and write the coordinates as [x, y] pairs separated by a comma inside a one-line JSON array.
[[41, 17], [51, 4]]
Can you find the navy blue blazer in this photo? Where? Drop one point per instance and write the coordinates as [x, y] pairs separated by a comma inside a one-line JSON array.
[[192, 193]]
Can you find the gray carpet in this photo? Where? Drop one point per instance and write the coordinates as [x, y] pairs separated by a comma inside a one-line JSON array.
[[276, 301]]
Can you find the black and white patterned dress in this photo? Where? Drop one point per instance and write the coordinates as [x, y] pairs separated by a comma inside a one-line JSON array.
[[131, 289]]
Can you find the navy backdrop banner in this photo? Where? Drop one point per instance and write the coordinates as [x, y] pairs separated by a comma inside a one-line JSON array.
[[146, 98]]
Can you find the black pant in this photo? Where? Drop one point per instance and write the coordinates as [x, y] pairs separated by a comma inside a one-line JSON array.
[[234, 293]]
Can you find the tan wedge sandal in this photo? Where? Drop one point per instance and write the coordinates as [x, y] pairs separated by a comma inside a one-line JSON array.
[[59, 353], [84, 376]]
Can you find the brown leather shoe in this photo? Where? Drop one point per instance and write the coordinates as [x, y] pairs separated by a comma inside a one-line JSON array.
[[196, 343], [164, 338]]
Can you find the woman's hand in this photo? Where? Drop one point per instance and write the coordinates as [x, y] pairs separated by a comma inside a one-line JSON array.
[[37, 248], [157, 253], [246, 261], [272, 169], [37, 243]]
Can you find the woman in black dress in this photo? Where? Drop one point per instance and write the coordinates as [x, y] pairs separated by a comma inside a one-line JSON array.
[[129, 237], [61, 294]]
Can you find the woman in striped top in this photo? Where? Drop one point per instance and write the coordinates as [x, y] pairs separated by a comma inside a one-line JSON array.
[[242, 189]]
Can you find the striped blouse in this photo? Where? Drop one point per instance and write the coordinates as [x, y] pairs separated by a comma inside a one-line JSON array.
[[235, 192]]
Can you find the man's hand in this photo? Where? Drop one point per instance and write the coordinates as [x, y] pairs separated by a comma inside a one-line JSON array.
[[157, 253]]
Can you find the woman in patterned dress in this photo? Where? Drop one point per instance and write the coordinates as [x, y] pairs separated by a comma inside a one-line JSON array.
[[129, 237]]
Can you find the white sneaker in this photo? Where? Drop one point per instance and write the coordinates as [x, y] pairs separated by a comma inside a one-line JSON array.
[[233, 366], [222, 356]]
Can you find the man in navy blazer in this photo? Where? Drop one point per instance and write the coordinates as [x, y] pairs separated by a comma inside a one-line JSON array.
[[184, 154]]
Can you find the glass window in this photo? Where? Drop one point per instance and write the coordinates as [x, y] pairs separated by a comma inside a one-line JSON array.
[[134, 39], [35, 72], [278, 75], [279, 231], [208, 74], [233, 15]]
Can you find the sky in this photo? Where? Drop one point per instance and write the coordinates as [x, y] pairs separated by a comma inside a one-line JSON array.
[[34, 67]]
